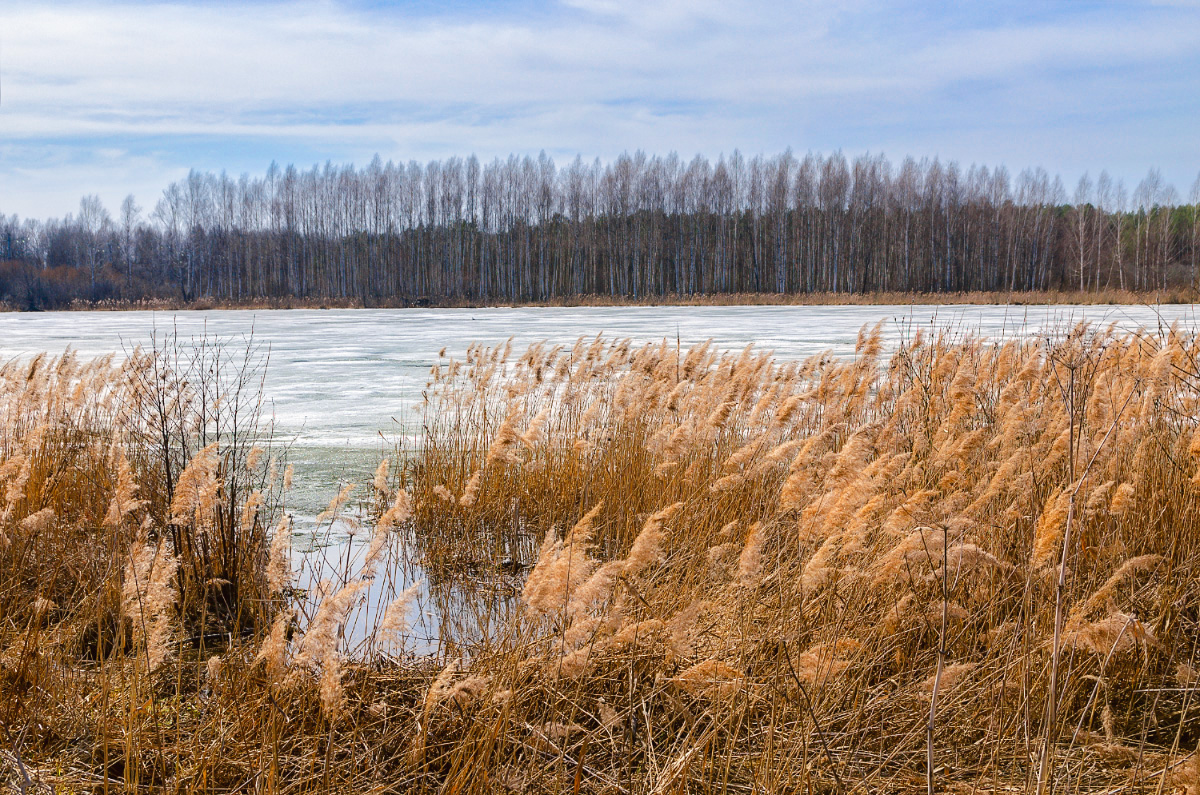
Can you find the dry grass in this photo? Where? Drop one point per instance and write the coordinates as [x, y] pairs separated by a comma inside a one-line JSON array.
[[1014, 298], [971, 565]]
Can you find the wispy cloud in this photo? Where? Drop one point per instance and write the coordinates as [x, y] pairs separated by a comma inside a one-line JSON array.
[[112, 97]]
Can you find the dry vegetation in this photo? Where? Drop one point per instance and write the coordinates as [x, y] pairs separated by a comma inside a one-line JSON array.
[[969, 565], [874, 298]]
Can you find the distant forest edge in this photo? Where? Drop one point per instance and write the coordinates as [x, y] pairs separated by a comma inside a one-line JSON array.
[[638, 228]]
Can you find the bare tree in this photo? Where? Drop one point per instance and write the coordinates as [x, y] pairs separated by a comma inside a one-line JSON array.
[[1080, 213], [130, 218], [1194, 198], [1104, 199], [94, 220]]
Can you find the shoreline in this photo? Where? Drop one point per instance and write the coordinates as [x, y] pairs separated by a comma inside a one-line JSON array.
[[1030, 298]]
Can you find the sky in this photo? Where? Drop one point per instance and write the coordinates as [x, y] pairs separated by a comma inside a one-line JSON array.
[[124, 97]]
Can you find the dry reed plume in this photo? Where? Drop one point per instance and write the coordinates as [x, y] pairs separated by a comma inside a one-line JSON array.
[[968, 565]]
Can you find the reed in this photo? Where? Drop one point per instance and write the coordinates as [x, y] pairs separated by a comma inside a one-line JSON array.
[[1105, 296], [966, 565]]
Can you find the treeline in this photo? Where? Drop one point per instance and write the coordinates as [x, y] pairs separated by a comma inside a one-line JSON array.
[[524, 229]]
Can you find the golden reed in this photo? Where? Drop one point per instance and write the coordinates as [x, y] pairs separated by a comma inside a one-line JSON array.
[[967, 565]]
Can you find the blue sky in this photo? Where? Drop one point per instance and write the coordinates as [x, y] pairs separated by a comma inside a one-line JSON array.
[[123, 97]]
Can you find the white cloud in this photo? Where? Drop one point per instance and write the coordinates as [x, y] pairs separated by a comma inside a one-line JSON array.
[[594, 76]]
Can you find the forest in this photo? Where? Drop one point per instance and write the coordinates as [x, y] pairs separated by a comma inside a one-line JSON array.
[[640, 227]]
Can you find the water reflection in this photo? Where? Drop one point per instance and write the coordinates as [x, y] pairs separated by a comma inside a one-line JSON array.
[[452, 612]]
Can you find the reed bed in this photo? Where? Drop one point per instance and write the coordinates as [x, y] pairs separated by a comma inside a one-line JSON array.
[[1178, 295], [963, 565]]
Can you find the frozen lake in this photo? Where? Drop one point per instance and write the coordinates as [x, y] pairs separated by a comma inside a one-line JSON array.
[[337, 378], [341, 383]]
